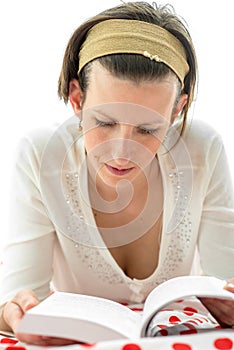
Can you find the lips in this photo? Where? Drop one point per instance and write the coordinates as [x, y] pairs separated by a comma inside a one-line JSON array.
[[119, 172]]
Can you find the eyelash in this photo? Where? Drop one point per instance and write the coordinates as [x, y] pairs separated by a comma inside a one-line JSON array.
[[101, 123], [110, 124], [147, 131]]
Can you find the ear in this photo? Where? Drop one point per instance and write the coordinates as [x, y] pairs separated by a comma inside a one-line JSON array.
[[179, 107], [75, 95]]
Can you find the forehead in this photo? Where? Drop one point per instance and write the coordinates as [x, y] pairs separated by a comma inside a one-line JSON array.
[[105, 88], [98, 73]]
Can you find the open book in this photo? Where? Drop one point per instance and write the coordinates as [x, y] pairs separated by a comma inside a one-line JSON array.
[[92, 319]]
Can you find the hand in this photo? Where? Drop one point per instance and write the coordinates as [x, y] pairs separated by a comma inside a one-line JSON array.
[[13, 313], [222, 310]]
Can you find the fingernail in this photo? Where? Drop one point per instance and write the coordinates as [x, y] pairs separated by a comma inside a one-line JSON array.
[[44, 337], [230, 285]]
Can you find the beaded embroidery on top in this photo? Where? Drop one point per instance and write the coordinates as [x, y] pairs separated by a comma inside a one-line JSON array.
[[75, 226], [77, 230]]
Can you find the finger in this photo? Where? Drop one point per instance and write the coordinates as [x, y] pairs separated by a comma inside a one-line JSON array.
[[15, 309], [58, 341], [12, 314], [221, 310], [30, 339], [25, 299], [230, 285], [44, 341]]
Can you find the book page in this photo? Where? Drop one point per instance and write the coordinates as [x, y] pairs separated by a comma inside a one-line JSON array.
[[106, 313], [178, 288]]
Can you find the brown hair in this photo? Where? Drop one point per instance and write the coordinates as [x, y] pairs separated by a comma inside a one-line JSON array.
[[130, 66]]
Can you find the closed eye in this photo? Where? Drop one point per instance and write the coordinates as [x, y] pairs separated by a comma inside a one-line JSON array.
[[147, 131], [106, 123], [111, 123]]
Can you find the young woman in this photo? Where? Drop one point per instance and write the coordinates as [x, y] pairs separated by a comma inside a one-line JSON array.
[[118, 198]]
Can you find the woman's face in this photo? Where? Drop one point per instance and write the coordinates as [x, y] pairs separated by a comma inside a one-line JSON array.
[[124, 123]]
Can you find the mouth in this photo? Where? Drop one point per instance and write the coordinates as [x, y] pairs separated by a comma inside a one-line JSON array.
[[119, 172]]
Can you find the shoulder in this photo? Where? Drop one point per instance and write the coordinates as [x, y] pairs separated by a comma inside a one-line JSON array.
[[200, 145], [48, 140], [201, 138], [198, 130], [204, 144]]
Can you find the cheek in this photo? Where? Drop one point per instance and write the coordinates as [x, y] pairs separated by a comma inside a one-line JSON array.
[[98, 146], [92, 140], [153, 145]]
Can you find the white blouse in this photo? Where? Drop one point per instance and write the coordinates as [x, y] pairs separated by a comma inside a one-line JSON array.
[[54, 242]]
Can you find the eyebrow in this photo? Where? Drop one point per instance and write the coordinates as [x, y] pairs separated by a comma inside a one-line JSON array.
[[104, 115]]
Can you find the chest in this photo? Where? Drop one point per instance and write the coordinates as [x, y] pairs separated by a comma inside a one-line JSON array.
[[137, 255]]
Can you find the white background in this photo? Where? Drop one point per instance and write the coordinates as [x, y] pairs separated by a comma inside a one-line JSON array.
[[33, 36]]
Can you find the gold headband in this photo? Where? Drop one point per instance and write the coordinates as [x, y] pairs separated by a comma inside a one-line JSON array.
[[135, 37]]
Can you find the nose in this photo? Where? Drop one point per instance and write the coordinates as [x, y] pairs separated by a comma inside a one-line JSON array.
[[122, 148]]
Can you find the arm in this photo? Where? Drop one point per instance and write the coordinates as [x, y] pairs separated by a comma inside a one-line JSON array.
[[28, 256], [27, 259], [216, 233], [216, 237]]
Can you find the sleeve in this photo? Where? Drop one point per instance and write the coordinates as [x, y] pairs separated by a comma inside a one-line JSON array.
[[216, 233], [28, 255]]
